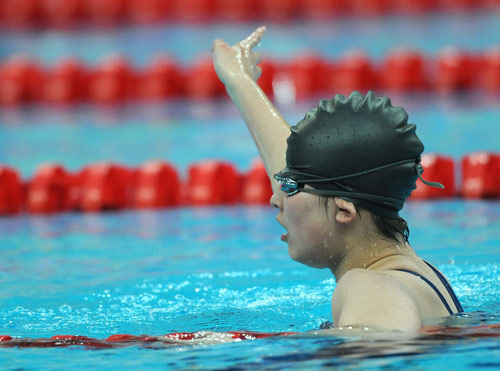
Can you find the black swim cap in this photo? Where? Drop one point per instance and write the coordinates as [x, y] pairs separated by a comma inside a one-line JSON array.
[[359, 148]]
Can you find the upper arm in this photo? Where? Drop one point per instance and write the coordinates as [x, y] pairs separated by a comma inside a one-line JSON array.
[[370, 298]]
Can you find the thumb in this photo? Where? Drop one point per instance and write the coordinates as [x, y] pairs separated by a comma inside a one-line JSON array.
[[218, 43]]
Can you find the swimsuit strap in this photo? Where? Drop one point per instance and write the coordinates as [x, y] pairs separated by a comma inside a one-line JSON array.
[[432, 286], [448, 287], [445, 284]]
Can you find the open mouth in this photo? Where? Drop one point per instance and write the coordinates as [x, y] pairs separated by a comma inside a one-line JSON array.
[[284, 237]]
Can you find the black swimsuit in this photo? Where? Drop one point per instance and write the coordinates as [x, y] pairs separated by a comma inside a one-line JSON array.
[[446, 285]]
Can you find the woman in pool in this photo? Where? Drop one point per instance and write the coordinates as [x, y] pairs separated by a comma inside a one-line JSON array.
[[340, 177]]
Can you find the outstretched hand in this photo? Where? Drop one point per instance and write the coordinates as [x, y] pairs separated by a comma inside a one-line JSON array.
[[239, 60]]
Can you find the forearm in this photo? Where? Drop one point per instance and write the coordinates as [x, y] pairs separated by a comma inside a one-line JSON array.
[[237, 68], [268, 128]]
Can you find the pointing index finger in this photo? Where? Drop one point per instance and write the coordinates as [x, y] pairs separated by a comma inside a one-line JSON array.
[[254, 38]]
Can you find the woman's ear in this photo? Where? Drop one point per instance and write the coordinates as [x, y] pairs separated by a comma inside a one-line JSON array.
[[346, 211]]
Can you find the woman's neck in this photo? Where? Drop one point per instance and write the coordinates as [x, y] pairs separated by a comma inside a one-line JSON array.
[[369, 254]]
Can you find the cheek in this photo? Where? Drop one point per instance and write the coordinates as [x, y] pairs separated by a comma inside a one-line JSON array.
[[304, 212], [295, 212], [307, 224]]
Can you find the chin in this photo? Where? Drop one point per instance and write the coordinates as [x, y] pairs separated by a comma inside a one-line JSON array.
[[304, 259]]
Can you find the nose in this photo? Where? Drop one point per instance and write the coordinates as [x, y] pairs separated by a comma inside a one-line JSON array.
[[277, 200]]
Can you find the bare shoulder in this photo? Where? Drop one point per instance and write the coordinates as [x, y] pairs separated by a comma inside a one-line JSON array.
[[372, 298]]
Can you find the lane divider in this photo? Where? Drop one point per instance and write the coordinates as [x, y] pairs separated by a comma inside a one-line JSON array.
[[68, 13], [124, 340], [157, 184], [115, 80], [213, 337], [109, 186]]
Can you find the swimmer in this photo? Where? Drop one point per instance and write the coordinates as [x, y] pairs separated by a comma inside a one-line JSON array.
[[340, 177]]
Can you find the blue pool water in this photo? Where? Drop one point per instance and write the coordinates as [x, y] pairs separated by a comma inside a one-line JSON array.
[[220, 269], [183, 133], [224, 269]]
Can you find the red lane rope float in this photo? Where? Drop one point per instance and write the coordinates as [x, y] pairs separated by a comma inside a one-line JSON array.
[[124, 340], [436, 167], [48, 190], [210, 337], [212, 183], [67, 13], [11, 191], [157, 184], [65, 83], [108, 186], [481, 175], [115, 80], [256, 189], [492, 330]]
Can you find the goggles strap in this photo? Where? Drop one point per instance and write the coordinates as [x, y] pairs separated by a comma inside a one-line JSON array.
[[420, 171], [418, 167], [366, 196]]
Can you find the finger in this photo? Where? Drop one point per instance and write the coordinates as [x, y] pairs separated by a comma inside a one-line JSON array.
[[254, 38], [258, 72], [217, 42], [256, 57]]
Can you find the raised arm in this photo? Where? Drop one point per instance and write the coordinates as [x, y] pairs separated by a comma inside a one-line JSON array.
[[237, 68]]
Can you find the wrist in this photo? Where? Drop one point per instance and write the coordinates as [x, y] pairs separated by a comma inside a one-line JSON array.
[[239, 84]]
